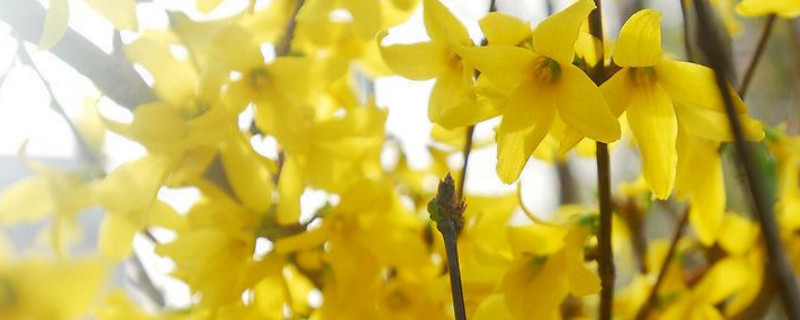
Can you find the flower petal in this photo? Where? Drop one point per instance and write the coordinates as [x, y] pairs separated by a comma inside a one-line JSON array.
[[526, 121], [122, 13], [581, 105], [418, 61], [116, 236], [784, 8], [503, 29], [617, 91], [693, 85], [652, 119], [248, 174], [290, 186], [366, 16], [714, 125], [555, 36], [56, 24], [699, 180], [452, 91], [442, 25], [639, 43], [504, 66]]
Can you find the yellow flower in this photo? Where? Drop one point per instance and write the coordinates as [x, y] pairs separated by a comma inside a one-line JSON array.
[[656, 92], [723, 280], [785, 8], [549, 266], [213, 252], [37, 288], [122, 13], [542, 84], [369, 16], [453, 101]]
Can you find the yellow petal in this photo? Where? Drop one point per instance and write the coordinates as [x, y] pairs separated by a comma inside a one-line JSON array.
[[116, 236], [699, 178], [418, 61], [639, 43], [122, 13], [714, 125], [26, 201], [526, 121], [175, 80], [581, 105], [652, 119], [133, 186], [452, 91], [536, 239], [693, 85], [504, 66], [738, 234], [442, 25], [493, 308], [366, 16], [503, 29], [248, 174], [784, 8], [555, 36], [617, 91], [582, 281], [56, 24], [290, 186], [724, 279], [207, 6]]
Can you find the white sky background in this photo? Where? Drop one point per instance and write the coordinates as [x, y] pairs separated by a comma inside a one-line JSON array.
[[25, 113]]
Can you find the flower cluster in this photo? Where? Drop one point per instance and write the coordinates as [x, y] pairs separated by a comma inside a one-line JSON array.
[[277, 102]]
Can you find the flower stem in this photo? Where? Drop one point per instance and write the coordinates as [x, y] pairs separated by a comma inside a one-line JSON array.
[[447, 210], [285, 46], [662, 272], [754, 176], [605, 259], [762, 46], [448, 230], [687, 39], [467, 150]]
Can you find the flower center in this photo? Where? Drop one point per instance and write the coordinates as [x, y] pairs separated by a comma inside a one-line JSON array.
[[546, 70], [258, 78], [643, 76]]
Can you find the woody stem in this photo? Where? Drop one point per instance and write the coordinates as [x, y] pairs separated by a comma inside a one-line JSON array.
[[605, 259], [754, 175], [762, 46]]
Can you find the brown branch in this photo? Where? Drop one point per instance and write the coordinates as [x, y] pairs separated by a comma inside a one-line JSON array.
[[759, 191], [662, 271], [447, 210], [762, 46], [605, 259], [113, 75]]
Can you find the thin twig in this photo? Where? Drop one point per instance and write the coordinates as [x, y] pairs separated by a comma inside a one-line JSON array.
[[762, 46], [447, 210], [687, 39], [759, 192], [284, 48], [605, 259], [662, 271], [471, 129], [467, 150]]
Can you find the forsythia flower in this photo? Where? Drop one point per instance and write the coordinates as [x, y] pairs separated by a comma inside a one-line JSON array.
[[662, 96], [453, 101], [543, 83], [785, 8], [548, 266]]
